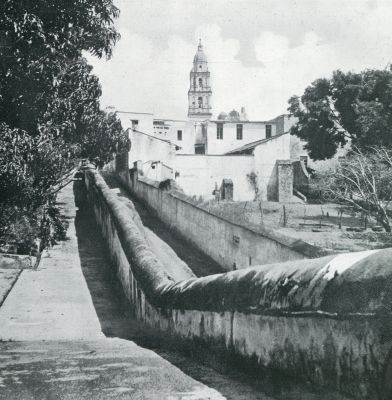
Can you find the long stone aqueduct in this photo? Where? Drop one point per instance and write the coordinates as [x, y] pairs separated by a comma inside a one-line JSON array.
[[324, 319]]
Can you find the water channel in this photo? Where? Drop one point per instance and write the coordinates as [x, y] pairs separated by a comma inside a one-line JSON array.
[[117, 321]]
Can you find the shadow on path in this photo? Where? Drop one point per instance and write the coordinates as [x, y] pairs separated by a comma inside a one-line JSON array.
[[116, 319], [106, 292]]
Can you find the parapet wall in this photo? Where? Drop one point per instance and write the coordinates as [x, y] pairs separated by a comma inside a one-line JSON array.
[[231, 245], [326, 320]]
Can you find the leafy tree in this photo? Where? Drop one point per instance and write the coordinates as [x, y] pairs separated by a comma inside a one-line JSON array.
[[350, 107], [49, 104], [364, 181], [38, 37], [31, 170], [75, 115]]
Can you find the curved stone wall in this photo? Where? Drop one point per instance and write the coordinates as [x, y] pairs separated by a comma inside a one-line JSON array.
[[326, 320], [229, 243]]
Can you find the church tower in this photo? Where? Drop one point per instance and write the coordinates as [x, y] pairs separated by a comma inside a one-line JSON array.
[[199, 94]]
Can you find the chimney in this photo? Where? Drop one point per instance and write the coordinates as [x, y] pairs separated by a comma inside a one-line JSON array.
[[243, 116]]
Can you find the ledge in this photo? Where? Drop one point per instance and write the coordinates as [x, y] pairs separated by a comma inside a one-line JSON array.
[[337, 286]]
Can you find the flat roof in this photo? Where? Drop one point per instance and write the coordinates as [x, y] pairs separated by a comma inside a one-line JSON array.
[[134, 112], [171, 119], [239, 122], [155, 118]]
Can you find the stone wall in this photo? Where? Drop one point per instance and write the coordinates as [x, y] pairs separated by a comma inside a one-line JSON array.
[[285, 181], [226, 242], [200, 174], [266, 156], [327, 320]]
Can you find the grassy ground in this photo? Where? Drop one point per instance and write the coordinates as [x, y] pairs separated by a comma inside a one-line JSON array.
[[314, 223]]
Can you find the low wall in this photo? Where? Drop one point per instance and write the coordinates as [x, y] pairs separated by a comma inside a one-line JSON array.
[[326, 320], [231, 245], [200, 174], [16, 261]]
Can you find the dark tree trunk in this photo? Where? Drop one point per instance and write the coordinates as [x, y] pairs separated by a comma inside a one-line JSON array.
[[384, 220]]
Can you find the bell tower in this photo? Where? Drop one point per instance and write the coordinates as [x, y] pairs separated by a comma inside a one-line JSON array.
[[199, 94]]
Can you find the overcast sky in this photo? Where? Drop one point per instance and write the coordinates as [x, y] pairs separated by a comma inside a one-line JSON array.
[[260, 52]]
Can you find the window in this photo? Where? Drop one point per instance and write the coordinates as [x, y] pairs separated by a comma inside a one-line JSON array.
[[268, 131], [135, 124], [200, 83], [239, 131], [179, 135], [219, 131], [200, 102]]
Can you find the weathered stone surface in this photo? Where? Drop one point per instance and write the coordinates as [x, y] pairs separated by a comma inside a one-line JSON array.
[[285, 181], [326, 320], [101, 369], [296, 286], [214, 233]]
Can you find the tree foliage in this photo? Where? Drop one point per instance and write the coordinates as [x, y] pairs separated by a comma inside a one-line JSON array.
[[349, 107], [364, 181], [49, 102], [37, 38]]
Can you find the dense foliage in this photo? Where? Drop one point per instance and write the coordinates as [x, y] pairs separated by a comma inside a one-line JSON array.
[[49, 106], [350, 107]]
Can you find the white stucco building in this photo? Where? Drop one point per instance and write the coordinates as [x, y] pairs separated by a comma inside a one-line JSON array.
[[201, 151]]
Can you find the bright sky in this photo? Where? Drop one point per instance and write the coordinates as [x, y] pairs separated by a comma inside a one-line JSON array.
[[260, 52]]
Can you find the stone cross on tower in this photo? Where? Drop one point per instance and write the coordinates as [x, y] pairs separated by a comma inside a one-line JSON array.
[[199, 94]]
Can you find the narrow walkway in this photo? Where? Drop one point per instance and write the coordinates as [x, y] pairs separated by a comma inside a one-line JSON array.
[[199, 262], [76, 337], [54, 331], [53, 302]]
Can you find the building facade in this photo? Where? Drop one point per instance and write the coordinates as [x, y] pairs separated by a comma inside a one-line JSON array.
[[200, 134], [200, 152], [225, 136]]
